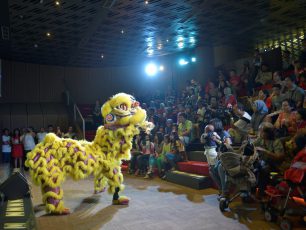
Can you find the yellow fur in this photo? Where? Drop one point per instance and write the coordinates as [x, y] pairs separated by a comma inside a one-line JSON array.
[[55, 158]]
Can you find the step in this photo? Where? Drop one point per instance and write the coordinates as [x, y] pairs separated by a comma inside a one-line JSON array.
[[195, 167], [189, 180], [196, 156]]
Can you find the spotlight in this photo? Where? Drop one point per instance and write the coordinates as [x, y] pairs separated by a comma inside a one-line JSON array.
[[48, 34], [192, 40], [151, 69], [180, 44], [161, 68], [57, 3], [182, 61], [193, 59]]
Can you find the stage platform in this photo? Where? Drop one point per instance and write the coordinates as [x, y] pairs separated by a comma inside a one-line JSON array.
[[155, 205]]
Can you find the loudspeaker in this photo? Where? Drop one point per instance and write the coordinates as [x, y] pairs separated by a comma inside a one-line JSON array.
[[15, 187]]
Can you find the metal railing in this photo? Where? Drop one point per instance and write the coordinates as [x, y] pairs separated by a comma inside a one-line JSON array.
[[78, 114]]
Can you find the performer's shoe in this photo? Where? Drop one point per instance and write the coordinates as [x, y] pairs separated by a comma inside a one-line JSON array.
[[123, 200], [65, 211]]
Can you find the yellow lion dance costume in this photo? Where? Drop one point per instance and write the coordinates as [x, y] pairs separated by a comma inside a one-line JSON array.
[[55, 158]]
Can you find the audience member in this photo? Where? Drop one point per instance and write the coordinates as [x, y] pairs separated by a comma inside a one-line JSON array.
[[294, 93], [271, 153], [41, 134], [6, 146], [17, 150], [184, 128], [70, 134]]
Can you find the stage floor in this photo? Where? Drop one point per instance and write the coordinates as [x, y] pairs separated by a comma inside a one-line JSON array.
[[155, 204]]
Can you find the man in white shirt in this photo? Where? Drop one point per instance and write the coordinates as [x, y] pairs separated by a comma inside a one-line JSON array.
[[41, 135]]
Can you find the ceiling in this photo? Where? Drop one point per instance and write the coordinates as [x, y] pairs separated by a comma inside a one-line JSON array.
[[125, 31]]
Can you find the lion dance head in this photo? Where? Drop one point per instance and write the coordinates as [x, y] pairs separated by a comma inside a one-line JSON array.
[[122, 110], [124, 118]]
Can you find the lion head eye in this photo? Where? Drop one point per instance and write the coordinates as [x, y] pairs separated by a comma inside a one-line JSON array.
[[123, 107]]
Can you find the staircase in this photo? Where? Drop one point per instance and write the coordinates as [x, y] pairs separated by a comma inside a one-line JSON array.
[[193, 173]]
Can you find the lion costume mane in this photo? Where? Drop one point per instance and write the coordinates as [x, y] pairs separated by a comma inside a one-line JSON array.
[[55, 158]]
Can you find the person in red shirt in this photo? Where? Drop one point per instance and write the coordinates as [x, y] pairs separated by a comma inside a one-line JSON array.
[[301, 119], [229, 98], [302, 81]]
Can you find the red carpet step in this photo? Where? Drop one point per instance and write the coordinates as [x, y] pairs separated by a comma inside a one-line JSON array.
[[195, 167]]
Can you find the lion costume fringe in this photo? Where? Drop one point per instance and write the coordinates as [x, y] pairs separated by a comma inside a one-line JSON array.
[[55, 158]]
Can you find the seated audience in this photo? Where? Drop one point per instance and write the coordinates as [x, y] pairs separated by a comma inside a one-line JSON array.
[[70, 134], [239, 129], [147, 149], [229, 99], [271, 154], [260, 110], [276, 97], [294, 93], [161, 158], [286, 121], [264, 76], [136, 151], [177, 150], [184, 128]]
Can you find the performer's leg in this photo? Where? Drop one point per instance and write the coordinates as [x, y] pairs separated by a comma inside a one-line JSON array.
[[53, 199], [100, 183], [115, 179]]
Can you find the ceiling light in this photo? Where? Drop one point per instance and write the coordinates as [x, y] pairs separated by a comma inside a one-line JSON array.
[[180, 45], [161, 68], [160, 46], [122, 31], [192, 40], [167, 40], [151, 69], [193, 59], [146, 2], [182, 61], [57, 3], [102, 56], [48, 34]]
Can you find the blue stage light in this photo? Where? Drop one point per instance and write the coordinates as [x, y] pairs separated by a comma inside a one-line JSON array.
[[193, 59], [182, 61]]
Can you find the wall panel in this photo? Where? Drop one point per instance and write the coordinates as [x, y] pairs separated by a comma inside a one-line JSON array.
[[31, 83]]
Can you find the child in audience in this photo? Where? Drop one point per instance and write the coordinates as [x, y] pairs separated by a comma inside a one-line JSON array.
[[210, 140], [147, 148], [161, 159]]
